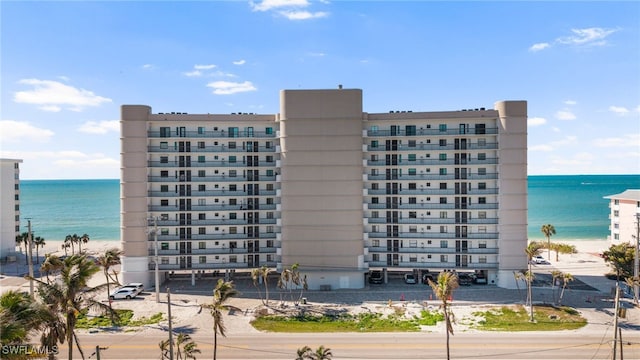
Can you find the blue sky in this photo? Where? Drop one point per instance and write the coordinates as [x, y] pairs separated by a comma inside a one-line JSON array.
[[67, 67]]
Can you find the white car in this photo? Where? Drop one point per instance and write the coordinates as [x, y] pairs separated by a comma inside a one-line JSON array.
[[127, 293], [410, 279], [539, 260], [138, 287]]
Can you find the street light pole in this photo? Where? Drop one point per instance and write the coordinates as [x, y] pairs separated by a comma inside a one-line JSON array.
[[636, 261]]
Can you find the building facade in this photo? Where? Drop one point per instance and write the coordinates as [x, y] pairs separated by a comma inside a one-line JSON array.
[[624, 216], [9, 205], [327, 186]]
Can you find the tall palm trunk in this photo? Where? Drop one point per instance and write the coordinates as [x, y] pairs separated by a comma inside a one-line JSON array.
[[215, 344], [530, 295]]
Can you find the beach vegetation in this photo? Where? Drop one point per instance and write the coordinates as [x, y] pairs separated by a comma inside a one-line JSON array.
[[566, 279], [51, 265], [185, 348], [291, 279], [72, 240], [106, 260], [69, 295], [125, 318], [514, 318], [532, 250], [548, 231], [19, 316], [345, 322], [222, 293], [261, 275], [620, 257]]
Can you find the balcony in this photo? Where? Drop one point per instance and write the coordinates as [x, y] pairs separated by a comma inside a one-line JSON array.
[[214, 193], [432, 147], [432, 162], [434, 235], [186, 135], [213, 251], [209, 149], [218, 221], [211, 266], [433, 250], [433, 265], [432, 132], [431, 221], [431, 176], [207, 164], [217, 178], [220, 207]]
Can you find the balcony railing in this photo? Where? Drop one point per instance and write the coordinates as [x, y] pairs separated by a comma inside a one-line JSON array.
[[217, 178], [209, 149], [220, 207], [216, 193], [433, 235], [433, 265], [218, 221], [433, 250], [216, 163], [189, 134], [432, 132], [427, 206], [431, 221], [214, 251], [433, 146], [433, 176], [219, 236], [432, 162], [211, 266]]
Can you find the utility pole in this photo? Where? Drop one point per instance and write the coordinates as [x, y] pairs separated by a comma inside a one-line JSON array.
[[30, 258], [615, 321], [170, 327], [636, 262]]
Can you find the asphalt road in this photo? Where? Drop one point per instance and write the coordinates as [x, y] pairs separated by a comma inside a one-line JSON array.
[[399, 346]]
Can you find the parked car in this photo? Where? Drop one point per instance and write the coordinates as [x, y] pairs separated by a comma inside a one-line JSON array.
[[465, 279], [375, 277], [127, 293], [138, 287], [429, 276], [410, 279], [539, 260]]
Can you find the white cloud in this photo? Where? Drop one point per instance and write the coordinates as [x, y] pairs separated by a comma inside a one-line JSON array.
[[303, 15], [570, 102], [594, 36], [543, 147], [553, 145], [194, 73], [629, 140], [536, 121], [618, 110], [148, 67], [52, 95], [228, 87], [267, 5], [565, 115], [239, 62], [17, 131], [204, 67], [583, 158], [539, 46], [102, 127]]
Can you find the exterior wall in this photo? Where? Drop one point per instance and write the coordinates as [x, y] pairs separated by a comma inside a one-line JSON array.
[[327, 186], [625, 209], [9, 206], [321, 136]]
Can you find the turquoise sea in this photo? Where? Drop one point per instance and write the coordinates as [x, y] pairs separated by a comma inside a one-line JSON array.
[[574, 204]]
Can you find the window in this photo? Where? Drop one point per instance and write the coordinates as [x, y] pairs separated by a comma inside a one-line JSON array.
[[374, 200], [413, 258], [482, 156], [412, 143], [202, 231], [202, 245], [444, 244], [270, 229], [268, 144], [232, 215], [269, 201], [482, 186], [482, 142], [443, 229], [374, 157], [412, 200], [200, 144], [232, 144], [443, 171], [269, 187], [164, 202], [412, 157], [413, 229], [202, 216], [443, 142], [374, 172], [413, 243], [616, 213], [444, 258], [269, 243], [374, 143], [442, 127], [202, 202], [412, 186], [374, 186], [482, 244], [233, 187], [482, 215], [443, 214], [269, 158], [164, 231], [164, 173], [233, 173], [233, 230], [376, 257], [269, 172], [164, 246], [375, 214], [232, 159], [270, 215], [442, 157], [482, 259], [233, 259], [482, 200], [202, 187], [164, 188], [443, 200], [164, 159], [413, 215], [202, 259], [482, 229], [164, 260], [165, 131], [201, 158], [201, 173], [375, 243], [200, 130], [443, 186], [482, 171], [412, 171], [233, 201], [268, 131]]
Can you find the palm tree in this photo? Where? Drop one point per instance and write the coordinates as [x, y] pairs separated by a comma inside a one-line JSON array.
[[111, 257], [82, 240], [443, 288], [566, 278], [23, 239], [322, 353], [548, 230], [222, 293], [19, 315], [70, 295], [70, 240], [186, 348], [256, 275], [555, 274], [38, 241], [532, 250], [65, 247], [303, 353], [51, 264]]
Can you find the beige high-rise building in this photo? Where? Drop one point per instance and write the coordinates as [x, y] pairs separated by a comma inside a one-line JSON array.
[[9, 206], [329, 187]]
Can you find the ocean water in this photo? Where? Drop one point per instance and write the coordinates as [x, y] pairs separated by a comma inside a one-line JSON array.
[[573, 204]]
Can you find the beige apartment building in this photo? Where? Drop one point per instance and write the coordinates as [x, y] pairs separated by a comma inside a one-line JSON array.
[[9, 206], [624, 216], [325, 185]]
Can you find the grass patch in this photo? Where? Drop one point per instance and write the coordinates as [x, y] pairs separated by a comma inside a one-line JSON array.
[[547, 318], [125, 319], [364, 322]]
